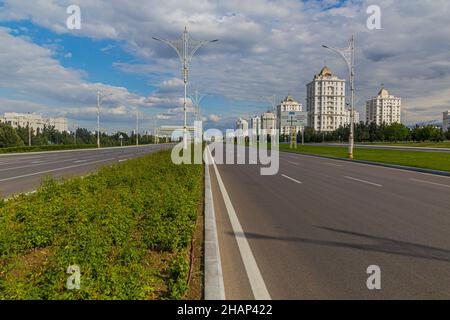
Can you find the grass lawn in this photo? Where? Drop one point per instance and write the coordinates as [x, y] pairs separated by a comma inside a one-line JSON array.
[[445, 144], [428, 160], [128, 227]]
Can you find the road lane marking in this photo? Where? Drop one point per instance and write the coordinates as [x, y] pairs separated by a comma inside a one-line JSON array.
[[79, 161], [36, 165], [53, 170], [331, 164], [256, 280], [292, 179], [429, 182], [364, 181], [294, 163]]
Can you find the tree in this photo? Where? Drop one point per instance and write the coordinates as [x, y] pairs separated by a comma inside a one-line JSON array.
[[9, 137]]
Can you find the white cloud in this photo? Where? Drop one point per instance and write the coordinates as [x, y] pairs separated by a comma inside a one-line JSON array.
[[266, 47]]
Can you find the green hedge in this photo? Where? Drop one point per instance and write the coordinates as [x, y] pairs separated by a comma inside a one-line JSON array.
[[128, 227], [46, 148]]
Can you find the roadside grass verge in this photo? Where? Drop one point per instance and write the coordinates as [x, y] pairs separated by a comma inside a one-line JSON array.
[[128, 227], [444, 144], [419, 159], [46, 148]]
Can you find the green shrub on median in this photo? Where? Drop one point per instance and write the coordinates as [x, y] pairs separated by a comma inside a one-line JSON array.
[[126, 227]]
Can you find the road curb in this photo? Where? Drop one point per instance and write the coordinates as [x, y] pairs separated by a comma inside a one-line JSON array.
[[379, 164], [214, 287]]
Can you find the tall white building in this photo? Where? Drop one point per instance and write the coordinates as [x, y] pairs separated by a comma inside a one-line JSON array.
[[256, 126], [35, 121], [384, 108], [242, 126], [446, 121], [325, 101], [268, 123], [356, 118], [60, 124], [288, 104]]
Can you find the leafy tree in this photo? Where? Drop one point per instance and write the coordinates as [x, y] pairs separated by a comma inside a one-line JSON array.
[[9, 136]]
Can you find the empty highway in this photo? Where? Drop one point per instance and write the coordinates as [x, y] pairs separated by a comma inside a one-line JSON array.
[[24, 172], [314, 228]]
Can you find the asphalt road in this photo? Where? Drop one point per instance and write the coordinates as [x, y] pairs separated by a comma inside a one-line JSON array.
[[24, 172], [381, 147], [315, 228]]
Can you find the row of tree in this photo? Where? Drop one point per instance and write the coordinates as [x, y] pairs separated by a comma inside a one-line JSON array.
[[371, 132], [12, 137]]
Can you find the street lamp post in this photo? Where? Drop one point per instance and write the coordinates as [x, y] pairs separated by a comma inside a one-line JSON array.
[[137, 126], [348, 54], [100, 98], [185, 48]]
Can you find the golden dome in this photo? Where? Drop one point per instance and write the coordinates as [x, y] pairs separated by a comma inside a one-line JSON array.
[[325, 72]]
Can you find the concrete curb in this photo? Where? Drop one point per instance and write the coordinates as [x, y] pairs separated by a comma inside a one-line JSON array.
[[379, 164], [214, 287]]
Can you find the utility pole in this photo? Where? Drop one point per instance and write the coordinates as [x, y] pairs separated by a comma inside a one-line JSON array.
[[29, 130], [185, 48], [100, 98], [348, 54], [137, 126]]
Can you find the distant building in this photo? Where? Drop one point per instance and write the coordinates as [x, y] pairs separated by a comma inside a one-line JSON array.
[[356, 118], [35, 121], [288, 104], [384, 108], [242, 126], [59, 123], [268, 123], [325, 101], [446, 121], [256, 126]]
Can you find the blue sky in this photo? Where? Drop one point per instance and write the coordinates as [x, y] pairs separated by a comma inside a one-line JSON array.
[[265, 48]]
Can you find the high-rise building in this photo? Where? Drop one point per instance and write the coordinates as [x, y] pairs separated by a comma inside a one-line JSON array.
[[446, 121], [356, 116], [288, 104], [325, 101], [268, 123], [59, 123], [256, 126], [384, 108], [35, 121], [242, 126]]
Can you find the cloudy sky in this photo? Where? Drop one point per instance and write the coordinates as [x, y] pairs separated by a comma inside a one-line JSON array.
[[266, 47]]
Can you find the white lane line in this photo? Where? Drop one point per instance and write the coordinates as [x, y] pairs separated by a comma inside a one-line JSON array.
[[53, 170], [363, 181], [39, 161], [36, 165], [292, 179], [122, 160], [256, 280], [429, 182], [294, 163], [331, 164], [80, 161]]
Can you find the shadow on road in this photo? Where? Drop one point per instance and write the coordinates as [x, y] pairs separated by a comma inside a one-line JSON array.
[[382, 245]]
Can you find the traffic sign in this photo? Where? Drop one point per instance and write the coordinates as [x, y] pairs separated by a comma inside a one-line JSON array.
[[293, 119]]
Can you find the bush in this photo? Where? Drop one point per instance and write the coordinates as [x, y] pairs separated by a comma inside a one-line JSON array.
[[128, 227]]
